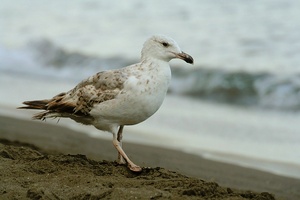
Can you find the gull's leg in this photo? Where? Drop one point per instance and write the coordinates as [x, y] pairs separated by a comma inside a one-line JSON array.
[[131, 165], [119, 138]]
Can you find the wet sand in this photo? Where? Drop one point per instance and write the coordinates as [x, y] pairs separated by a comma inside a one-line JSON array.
[[35, 164]]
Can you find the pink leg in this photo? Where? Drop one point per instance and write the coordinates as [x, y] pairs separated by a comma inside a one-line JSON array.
[[119, 138], [131, 165]]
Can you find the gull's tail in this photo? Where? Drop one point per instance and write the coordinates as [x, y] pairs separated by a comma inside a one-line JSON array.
[[52, 107], [39, 105]]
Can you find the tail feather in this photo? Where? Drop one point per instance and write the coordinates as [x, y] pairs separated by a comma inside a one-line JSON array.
[[55, 107], [38, 104], [46, 114]]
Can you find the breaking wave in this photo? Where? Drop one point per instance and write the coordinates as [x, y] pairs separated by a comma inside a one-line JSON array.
[[243, 88]]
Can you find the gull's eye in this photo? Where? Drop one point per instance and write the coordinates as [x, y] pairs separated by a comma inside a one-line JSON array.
[[165, 44]]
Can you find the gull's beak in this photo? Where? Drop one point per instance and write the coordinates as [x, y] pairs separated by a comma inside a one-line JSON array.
[[186, 57]]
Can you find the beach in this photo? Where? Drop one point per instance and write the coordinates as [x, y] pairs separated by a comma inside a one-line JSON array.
[[238, 103], [229, 121], [23, 141]]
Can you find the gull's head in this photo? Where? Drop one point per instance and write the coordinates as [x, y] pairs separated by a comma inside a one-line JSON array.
[[164, 48]]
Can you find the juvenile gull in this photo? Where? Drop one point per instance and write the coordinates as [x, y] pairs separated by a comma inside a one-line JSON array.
[[109, 100]]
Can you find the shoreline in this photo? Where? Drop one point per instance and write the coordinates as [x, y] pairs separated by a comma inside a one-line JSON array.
[[63, 140]]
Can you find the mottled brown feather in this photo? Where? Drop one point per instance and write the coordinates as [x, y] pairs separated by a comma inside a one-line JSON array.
[[79, 101]]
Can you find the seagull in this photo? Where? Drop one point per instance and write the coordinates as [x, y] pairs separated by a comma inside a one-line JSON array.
[[110, 100]]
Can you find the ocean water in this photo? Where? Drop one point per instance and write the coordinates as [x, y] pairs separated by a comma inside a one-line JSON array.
[[239, 103]]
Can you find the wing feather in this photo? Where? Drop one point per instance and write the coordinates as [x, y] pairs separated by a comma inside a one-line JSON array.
[[99, 88], [79, 101]]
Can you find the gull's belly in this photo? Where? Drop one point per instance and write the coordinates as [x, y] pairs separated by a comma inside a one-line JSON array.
[[138, 105], [128, 109], [133, 105], [142, 107]]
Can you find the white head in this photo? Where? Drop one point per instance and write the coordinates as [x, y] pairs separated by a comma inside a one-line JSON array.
[[163, 48]]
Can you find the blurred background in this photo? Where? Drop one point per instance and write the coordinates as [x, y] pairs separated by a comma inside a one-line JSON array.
[[239, 103]]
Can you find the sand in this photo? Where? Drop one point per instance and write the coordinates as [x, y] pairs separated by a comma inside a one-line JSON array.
[[43, 161]]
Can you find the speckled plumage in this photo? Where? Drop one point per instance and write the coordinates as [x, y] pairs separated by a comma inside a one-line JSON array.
[[112, 99]]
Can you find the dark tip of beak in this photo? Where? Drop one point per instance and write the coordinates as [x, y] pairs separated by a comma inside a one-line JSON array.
[[186, 57], [189, 59]]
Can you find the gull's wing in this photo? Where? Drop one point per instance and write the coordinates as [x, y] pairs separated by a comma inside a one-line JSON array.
[[101, 87], [98, 88]]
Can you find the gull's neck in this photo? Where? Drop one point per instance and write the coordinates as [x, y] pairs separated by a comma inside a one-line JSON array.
[[153, 60]]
